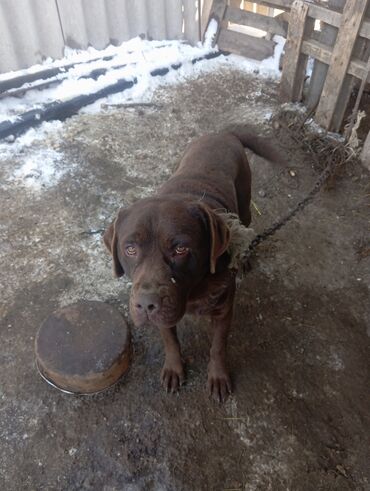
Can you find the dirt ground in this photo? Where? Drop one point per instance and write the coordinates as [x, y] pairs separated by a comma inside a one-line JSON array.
[[299, 350]]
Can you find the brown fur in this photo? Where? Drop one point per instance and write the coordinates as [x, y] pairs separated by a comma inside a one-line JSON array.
[[175, 247]]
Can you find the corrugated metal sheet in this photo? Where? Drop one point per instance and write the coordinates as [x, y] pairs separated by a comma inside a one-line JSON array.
[[32, 30]]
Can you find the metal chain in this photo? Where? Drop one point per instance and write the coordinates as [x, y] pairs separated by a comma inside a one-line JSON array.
[[324, 176]]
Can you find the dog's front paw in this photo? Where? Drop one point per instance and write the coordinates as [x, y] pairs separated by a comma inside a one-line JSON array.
[[219, 383], [172, 375]]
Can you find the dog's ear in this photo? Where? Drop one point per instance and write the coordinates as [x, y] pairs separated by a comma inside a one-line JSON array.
[[111, 242], [219, 235]]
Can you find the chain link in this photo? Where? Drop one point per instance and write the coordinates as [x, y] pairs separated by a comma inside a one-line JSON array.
[[324, 176]]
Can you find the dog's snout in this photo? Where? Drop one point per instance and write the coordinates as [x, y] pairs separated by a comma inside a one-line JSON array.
[[148, 302]]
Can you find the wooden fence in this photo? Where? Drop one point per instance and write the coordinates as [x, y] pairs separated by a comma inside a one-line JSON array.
[[229, 14], [340, 49], [346, 58]]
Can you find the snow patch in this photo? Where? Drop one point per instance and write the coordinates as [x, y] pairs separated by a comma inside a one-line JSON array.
[[39, 170], [35, 164], [134, 59], [210, 33], [270, 66]]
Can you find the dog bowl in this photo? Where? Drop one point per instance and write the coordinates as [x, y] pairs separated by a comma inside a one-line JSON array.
[[83, 348]]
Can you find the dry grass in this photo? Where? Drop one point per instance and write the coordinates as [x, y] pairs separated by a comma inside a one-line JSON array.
[[294, 129]]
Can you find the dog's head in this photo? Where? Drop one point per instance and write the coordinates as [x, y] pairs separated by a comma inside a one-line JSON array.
[[167, 247]]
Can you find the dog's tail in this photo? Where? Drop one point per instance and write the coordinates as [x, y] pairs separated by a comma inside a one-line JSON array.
[[263, 146]]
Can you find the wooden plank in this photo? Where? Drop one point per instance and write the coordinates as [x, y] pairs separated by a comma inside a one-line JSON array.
[[269, 24], [318, 12], [262, 10], [321, 52], [325, 14], [317, 50], [291, 79], [334, 18], [357, 68], [245, 45], [352, 16], [248, 6], [361, 51], [365, 29], [277, 4], [327, 36], [357, 103], [60, 110], [217, 13]]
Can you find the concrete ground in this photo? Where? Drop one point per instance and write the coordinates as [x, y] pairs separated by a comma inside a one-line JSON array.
[[298, 353]]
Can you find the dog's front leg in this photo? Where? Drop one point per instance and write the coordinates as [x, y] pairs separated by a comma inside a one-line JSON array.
[[172, 375], [219, 383]]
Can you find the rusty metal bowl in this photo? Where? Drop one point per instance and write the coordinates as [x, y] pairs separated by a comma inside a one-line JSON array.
[[83, 348]]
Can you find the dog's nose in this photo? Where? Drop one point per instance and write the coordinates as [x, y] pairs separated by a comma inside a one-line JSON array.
[[148, 302]]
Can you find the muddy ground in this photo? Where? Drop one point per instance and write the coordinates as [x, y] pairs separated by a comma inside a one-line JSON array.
[[299, 349]]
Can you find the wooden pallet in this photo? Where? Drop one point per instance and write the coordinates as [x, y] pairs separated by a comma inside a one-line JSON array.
[[239, 42], [351, 26], [340, 51]]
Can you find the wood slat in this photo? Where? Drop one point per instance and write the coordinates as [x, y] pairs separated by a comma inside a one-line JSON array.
[[334, 18], [352, 17], [318, 12], [365, 30], [324, 14], [269, 24], [317, 50], [321, 52], [357, 68], [245, 45], [217, 12], [292, 77], [327, 36], [277, 4], [356, 107], [361, 52]]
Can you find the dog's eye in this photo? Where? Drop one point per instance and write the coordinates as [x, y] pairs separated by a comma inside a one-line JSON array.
[[181, 250], [130, 250]]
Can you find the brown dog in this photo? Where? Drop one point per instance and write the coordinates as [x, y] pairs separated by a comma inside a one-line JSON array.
[[174, 246]]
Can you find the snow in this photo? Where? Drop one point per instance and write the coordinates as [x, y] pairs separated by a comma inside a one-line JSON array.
[[210, 33], [36, 166], [39, 170], [271, 65], [139, 57], [134, 59]]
